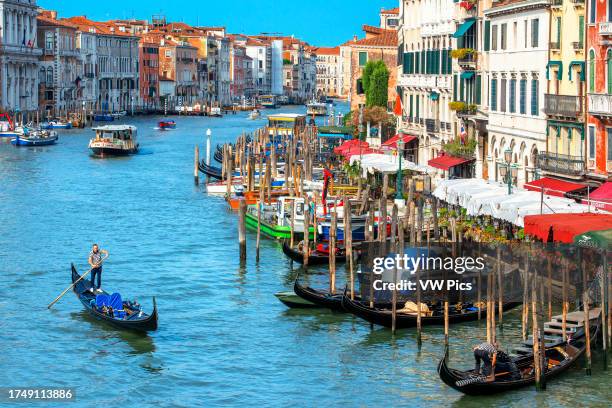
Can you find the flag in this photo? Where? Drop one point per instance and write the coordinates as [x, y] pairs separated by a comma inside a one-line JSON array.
[[397, 110], [327, 175]]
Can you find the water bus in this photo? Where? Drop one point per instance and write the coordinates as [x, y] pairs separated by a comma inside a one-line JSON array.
[[114, 140]]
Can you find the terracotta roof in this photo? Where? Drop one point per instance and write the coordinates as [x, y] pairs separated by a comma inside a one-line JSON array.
[[372, 29], [86, 25], [327, 51], [44, 21], [390, 11], [387, 38], [255, 43]]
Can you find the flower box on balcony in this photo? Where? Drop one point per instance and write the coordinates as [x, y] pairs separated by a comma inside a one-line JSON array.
[[462, 108], [462, 53]]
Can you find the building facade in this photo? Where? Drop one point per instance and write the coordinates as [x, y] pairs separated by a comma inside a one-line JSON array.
[[149, 73], [328, 71], [599, 89], [19, 74]]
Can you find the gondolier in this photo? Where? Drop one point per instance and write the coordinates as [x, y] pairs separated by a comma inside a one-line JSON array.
[[484, 352], [95, 261]]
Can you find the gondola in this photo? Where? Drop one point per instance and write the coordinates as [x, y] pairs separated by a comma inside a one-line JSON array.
[[290, 299], [382, 315], [559, 359], [315, 257], [131, 318], [218, 156], [210, 171], [319, 298]]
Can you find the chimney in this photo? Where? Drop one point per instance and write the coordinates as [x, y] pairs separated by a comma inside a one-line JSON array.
[[354, 38], [53, 14]]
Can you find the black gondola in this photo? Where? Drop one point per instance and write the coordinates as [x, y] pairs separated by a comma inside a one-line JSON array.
[[218, 156], [559, 358], [320, 298], [381, 315], [135, 320], [315, 257], [210, 171]]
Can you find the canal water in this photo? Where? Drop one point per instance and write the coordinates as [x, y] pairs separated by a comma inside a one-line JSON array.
[[224, 339]]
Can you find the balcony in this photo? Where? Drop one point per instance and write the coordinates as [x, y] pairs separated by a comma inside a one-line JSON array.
[[578, 45], [605, 28], [600, 105], [432, 125], [569, 106], [469, 61], [555, 45], [561, 164]]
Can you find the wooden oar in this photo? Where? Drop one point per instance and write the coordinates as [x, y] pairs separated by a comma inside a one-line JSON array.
[[71, 286]]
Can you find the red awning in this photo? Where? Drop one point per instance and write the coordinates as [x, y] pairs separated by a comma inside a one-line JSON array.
[[553, 186], [350, 144], [565, 226], [358, 151], [445, 161], [392, 143], [602, 197]]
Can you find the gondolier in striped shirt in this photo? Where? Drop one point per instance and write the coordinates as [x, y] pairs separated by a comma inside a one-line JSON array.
[[95, 261], [484, 352]]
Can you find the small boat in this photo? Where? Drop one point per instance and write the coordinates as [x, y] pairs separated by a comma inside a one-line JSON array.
[[166, 124], [560, 356], [316, 108], [218, 156], [114, 140], [316, 256], [383, 316], [209, 170], [56, 124], [7, 126], [268, 101], [103, 117], [215, 111], [111, 308], [35, 138], [292, 300], [318, 297], [117, 115], [255, 114]]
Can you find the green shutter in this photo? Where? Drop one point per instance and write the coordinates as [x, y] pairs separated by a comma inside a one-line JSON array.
[[423, 62], [406, 63], [461, 85], [454, 87], [410, 108], [478, 89], [417, 97], [487, 35], [559, 30], [581, 31], [363, 58], [416, 62], [493, 95]]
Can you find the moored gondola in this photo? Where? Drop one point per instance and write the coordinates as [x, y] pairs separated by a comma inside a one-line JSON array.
[[123, 315], [559, 358], [382, 315], [290, 299], [320, 298], [314, 258], [210, 171]]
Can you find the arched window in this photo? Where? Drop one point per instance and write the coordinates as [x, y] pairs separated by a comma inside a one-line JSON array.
[[42, 73], [609, 66], [591, 71]]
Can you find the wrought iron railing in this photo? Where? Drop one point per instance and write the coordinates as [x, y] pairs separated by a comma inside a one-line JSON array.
[[561, 163], [563, 105]]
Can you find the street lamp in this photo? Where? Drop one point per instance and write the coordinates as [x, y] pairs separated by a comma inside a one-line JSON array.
[[508, 170], [208, 134], [400, 147]]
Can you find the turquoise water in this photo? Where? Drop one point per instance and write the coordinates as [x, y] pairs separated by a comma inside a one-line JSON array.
[[224, 339]]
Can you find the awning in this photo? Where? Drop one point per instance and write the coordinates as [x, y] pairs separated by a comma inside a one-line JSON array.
[[445, 162], [393, 141], [335, 135], [553, 64], [576, 64], [595, 239], [467, 74], [553, 186], [463, 28], [434, 96], [602, 197], [564, 227], [349, 144]]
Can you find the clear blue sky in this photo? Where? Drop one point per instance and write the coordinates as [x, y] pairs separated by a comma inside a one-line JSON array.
[[319, 22]]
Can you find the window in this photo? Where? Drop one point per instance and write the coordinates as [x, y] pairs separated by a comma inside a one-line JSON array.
[[487, 35], [49, 40], [502, 95], [535, 32], [494, 94], [513, 95], [591, 71], [49, 76], [504, 36], [609, 141], [494, 38], [592, 142], [535, 97], [592, 11], [363, 58], [526, 28], [523, 97], [515, 35]]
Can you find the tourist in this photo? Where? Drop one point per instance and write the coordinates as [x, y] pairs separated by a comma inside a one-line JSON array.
[[95, 261]]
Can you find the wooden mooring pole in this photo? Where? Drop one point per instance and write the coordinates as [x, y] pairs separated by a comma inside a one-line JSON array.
[[332, 251], [242, 229]]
